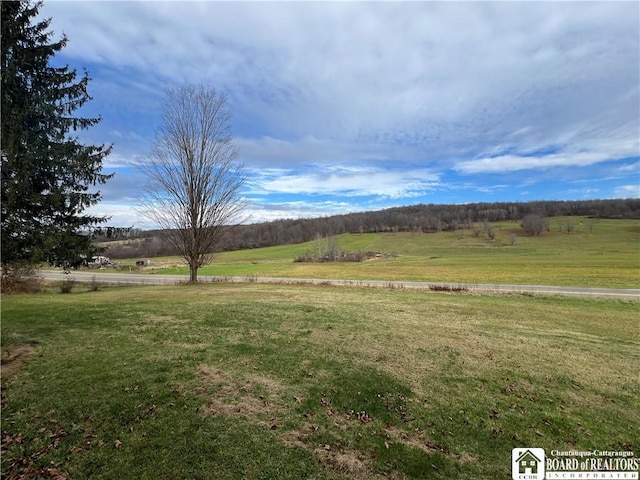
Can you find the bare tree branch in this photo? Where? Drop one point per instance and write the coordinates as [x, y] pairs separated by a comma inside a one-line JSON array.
[[193, 178]]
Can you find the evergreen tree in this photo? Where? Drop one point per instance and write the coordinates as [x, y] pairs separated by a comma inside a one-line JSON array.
[[47, 174]]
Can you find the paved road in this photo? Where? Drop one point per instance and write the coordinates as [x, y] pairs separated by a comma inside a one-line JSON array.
[[148, 279]]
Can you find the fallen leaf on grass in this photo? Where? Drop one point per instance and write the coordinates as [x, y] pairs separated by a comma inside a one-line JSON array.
[[117, 443], [435, 446], [56, 474], [151, 410], [8, 439], [364, 417]]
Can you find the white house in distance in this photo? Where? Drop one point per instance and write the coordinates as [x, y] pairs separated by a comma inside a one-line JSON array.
[[100, 261]]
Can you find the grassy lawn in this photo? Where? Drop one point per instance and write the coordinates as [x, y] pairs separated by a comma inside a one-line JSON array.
[[233, 381], [598, 253]]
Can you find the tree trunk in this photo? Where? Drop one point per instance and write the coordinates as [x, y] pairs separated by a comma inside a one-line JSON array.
[[193, 271]]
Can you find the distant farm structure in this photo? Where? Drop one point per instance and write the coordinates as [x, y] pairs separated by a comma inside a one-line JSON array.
[[100, 261]]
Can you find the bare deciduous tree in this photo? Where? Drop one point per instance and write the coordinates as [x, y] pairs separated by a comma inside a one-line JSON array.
[[533, 224], [194, 182]]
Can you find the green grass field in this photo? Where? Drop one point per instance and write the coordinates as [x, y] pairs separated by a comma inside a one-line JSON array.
[[234, 381], [598, 253]]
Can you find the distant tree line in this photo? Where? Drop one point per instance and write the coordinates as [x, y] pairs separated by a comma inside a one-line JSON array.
[[420, 218], [416, 218]]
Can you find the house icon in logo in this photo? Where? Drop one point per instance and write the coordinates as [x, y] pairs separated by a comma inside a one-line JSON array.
[[527, 463]]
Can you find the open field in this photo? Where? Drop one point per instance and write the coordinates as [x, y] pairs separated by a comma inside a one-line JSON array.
[[598, 253], [268, 381]]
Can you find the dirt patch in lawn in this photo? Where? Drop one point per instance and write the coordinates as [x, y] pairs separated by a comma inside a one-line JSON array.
[[162, 319], [265, 401], [343, 461], [13, 357], [252, 397]]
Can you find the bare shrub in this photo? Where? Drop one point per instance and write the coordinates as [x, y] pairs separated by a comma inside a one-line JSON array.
[[21, 285], [448, 288], [66, 286], [94, 285], [338, 256], [306, 257], [571, 226], [20, 279], [533, 224]]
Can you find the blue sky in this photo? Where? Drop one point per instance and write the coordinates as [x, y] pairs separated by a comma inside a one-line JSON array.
[[349, 106]]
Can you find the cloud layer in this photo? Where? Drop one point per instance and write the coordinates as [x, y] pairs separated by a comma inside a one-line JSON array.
[[378, 101]]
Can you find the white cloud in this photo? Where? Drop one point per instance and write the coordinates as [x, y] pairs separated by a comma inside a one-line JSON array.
[[261, 212], [350, 181], [587, 154], [116, 160], [511, 163], [309, 149], [351, 68], [633, 168], [121, 215], [627, 191], [397, 95]]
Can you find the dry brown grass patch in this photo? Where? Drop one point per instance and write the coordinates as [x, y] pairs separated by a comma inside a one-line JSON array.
[[299, 438], [13, 357], [161, 319], [347, 462], [254, 397], [238, 397], [351, 463]]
